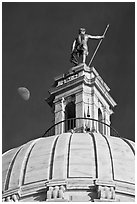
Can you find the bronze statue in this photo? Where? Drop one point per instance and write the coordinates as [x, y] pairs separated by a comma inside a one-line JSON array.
[[79, 46]]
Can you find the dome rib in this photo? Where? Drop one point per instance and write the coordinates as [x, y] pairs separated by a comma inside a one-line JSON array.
[[6, 161], [25, 161], [112, 165], [14, 178], [39, 163], [8, 176], [95, 153], [60, 157], [103, 158], [52, 157], [130, 145], [68, 162], [26, 158]]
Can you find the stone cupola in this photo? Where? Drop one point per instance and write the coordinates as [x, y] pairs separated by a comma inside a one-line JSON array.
[[81, 93]]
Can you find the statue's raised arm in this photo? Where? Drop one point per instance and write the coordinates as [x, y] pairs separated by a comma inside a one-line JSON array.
[[80, 48], [96, 37]]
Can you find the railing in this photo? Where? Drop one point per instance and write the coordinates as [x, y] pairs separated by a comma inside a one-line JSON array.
[[81, 125]]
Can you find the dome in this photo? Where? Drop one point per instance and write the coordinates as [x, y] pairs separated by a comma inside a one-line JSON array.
[[70, 167]]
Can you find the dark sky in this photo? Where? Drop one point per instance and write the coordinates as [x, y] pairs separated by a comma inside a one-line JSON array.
[[37, 39]]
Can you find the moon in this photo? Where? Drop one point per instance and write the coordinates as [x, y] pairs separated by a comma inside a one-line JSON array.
[[24, 93]]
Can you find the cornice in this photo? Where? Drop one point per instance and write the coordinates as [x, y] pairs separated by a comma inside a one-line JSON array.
[[71, 184], [67, 85]]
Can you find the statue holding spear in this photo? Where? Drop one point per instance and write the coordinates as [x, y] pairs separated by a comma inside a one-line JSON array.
[[80, 48]]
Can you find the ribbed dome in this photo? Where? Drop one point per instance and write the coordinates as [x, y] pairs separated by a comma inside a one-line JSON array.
[[68, 158]]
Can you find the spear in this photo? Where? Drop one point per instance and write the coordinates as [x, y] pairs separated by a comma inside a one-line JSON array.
[[98, 45]]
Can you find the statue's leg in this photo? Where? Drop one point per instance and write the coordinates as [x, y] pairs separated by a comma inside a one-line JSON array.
[[85, 53], [84, 58]]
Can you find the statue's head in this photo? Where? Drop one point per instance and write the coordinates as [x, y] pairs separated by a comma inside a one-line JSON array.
[[82, 31]]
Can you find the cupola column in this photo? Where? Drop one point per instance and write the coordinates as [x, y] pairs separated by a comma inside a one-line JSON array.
[[80, 109], [59, 115]]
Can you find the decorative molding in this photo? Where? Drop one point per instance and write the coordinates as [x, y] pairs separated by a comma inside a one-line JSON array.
[[69, 85], [56, 189], [101, 89], [125, 188], [11, 198], [105, 190], [55, 192], [32, 188], [11, 192], [73, 92], [74, 183], [78, 68]]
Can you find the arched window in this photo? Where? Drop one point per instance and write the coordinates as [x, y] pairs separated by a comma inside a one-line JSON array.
[[70, 113], [100, 119]]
